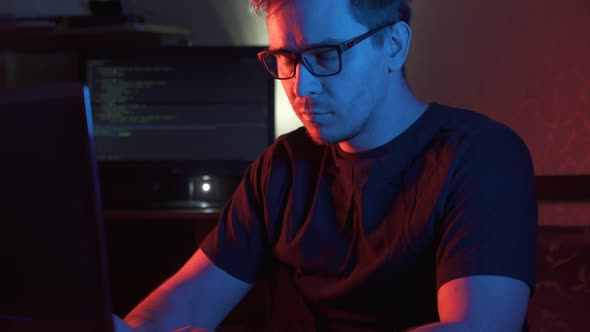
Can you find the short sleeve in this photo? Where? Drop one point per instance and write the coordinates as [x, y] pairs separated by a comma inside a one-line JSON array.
[[238, 243], [489, 220]]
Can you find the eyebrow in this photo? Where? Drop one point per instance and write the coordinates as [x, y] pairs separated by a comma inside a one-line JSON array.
[[324, 42], [329, 41]]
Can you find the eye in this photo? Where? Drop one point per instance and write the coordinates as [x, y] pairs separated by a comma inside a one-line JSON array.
[[321, 59], [325, 54]]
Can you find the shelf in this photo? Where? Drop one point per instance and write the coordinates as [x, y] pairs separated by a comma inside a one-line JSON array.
[[61, 38], [155, 215]]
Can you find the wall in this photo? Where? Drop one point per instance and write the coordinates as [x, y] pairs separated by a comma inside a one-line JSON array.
[[523, 63], [214, 22], [520, 62], [29, 8]]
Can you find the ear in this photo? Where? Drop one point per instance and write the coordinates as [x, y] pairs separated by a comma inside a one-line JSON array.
[[398, 43]]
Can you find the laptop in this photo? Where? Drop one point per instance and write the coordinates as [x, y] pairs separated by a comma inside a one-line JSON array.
[[53, 262]]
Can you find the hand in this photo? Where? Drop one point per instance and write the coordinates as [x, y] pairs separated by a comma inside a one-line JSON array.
[[192, 329], [120, 325]]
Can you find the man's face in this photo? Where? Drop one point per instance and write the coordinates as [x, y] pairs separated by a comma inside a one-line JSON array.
[[336, 108]]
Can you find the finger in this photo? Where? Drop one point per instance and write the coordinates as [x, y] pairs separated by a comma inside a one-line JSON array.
[[119, 325]]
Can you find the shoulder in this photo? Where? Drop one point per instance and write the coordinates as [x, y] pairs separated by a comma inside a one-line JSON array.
[[491, 165], [450, 138], [471, 132], [470, 124], [472, 152]]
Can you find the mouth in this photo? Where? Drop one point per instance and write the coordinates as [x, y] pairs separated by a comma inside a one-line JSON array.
[[315, 117], [311, 112]]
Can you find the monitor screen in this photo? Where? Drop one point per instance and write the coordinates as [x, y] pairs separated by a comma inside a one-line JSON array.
[[170, 104]]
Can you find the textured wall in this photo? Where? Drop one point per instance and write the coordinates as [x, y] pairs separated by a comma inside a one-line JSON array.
[[525, 63]]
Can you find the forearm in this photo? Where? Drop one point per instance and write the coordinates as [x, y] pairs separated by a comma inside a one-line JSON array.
[[199, 295], [443, 327], [166, 309], [458, 327]]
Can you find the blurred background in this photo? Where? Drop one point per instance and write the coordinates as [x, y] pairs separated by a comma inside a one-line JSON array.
[[525, 63]]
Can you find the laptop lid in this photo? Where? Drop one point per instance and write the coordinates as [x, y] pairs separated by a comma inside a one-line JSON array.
[[54, 275]]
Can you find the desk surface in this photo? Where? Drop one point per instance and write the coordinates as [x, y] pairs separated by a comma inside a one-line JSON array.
[[204, 215]]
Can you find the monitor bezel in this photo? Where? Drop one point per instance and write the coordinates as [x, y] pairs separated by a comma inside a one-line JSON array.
[[129, 178], [151, 168]]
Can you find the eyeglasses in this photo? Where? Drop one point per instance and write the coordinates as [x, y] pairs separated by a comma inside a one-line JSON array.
[[323, 60]]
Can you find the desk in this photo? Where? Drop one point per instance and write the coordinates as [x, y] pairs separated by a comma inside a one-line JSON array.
[[146, 247], [156, 214]]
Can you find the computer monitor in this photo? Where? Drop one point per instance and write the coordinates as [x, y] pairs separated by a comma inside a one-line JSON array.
[[180, 104], [54, 270], [170, 121]]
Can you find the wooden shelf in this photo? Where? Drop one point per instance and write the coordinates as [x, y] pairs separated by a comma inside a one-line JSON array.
[[563, 188], [196, 215], [67, 38]]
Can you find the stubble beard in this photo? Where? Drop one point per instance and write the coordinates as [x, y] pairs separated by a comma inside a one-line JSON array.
[[328, 141]]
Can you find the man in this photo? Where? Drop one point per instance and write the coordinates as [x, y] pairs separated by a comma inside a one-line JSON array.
[[383, 213]]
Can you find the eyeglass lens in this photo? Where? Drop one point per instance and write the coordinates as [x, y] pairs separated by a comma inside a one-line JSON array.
[[319, 61]]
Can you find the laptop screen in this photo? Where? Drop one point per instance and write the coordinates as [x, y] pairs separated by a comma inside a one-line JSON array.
[[54, 275]]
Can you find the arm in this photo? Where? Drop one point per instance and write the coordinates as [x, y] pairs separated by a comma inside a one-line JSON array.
[[481, 303], [199, 294], [202, 293], [487, 252]]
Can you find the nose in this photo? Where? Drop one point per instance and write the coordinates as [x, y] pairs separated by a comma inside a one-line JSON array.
[[306, 84]]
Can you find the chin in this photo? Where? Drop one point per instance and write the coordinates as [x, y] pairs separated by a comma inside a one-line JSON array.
[[322, 137]]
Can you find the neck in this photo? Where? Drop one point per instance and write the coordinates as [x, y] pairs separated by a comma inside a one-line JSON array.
[[399, 109]]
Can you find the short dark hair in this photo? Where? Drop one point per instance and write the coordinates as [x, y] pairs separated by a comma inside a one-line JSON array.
[[375, 13], [371, 13]]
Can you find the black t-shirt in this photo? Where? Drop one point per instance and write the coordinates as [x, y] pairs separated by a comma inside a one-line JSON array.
[[365, 240]]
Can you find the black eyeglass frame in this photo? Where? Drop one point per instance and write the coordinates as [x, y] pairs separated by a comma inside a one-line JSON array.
[[297, 56]]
